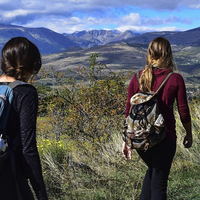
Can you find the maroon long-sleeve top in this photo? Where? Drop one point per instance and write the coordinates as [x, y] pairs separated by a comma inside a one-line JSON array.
[[173, 90]]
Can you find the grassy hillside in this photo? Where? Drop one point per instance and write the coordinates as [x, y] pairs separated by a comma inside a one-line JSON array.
[[83, 172], [115, 56], [124, 56], [79, 140]]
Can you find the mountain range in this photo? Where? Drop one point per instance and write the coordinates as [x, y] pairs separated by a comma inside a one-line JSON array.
[[50, 42], [189, 37], [116, 49]]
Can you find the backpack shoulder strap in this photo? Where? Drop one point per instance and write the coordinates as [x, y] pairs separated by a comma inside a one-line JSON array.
[[7, 98], [15, 83], [163, 82], [138, 78]]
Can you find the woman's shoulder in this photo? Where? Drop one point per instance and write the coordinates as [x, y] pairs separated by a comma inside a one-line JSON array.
[[24, 95], [177, 76], [135, 77], [19, 86], [25, 89], [25, 86]]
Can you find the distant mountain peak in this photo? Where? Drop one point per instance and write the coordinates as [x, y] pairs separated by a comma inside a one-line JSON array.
[[101, 37], [49, 41]]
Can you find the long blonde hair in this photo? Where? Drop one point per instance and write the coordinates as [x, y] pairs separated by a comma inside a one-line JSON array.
[[159, 54]]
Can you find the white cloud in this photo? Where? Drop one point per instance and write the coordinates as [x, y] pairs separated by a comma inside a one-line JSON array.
[[16, 13], [133, 21], [132, 18], [72, 15], [143, 29], [62, 6], [197, 6], [4, 1], [61, 25]]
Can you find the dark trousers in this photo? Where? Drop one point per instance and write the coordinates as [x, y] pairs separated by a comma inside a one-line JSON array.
[[158, 159], [8, 189]]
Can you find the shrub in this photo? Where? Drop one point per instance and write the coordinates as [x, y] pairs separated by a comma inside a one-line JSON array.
[[80, 140]]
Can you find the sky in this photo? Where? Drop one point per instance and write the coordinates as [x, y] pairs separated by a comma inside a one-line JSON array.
[[68, 16]]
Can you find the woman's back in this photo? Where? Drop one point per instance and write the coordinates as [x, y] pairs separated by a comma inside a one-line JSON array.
[[173, 90], [21, 59], [159, 158], [21, 128]]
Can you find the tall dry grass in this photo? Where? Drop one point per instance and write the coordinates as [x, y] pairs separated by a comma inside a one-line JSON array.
[[102, 173]]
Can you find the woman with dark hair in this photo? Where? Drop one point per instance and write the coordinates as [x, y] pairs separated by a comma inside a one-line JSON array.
[[159, 158], [20, 59]]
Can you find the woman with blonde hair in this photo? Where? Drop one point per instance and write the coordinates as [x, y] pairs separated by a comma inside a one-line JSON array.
[[159, 158]]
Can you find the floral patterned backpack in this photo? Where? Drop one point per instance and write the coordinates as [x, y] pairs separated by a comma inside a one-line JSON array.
[[145, 126]]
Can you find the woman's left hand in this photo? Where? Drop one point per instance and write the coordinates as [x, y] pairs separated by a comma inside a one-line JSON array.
[[126, 151], [187, 142]]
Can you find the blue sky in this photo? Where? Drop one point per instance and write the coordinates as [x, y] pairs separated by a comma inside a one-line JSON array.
[[68, 16]]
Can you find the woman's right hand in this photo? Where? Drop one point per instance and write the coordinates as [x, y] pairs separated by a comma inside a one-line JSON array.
[[126, 151]]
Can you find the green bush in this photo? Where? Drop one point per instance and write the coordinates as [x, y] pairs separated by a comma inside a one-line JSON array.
[[80, 142]]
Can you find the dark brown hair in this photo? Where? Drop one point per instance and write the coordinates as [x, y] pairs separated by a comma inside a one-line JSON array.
[[18, 56], [159, 54]]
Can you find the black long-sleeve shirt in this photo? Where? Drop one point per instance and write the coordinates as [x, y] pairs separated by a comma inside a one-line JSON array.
[[22, 122]]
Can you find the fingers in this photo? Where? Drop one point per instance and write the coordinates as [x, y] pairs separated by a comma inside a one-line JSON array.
[[187, 145], [126, 151], [130, 154], [124, 154], [127, 155], [187, 142]]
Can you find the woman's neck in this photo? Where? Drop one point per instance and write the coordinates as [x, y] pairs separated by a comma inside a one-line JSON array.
[[5, 78]]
